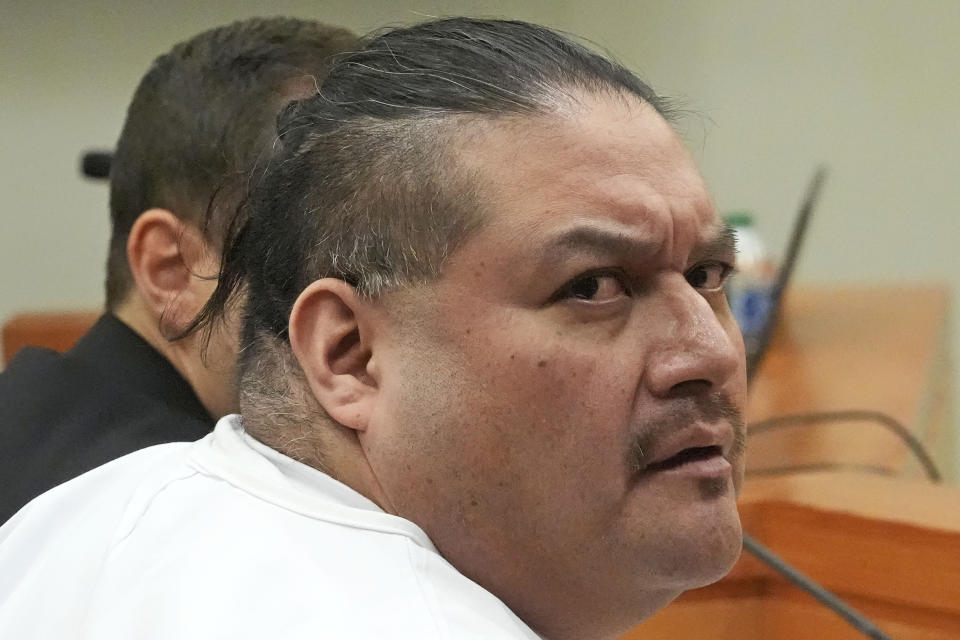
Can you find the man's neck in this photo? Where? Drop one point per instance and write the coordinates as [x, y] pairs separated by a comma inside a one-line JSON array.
[[178, 353]]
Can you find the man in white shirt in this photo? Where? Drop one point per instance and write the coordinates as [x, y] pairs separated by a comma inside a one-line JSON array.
[[490, 385]]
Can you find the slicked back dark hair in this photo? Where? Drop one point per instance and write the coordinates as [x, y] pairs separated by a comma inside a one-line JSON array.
[[366, 187], [199, 119]]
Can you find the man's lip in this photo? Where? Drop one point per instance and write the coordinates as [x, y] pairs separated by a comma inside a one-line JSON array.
[[685, 456], [693, 443]]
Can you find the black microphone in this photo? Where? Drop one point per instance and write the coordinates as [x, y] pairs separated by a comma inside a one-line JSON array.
[[830, 600], [96, 164]]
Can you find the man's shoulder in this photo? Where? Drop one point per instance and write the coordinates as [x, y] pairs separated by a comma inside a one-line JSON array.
[[49, 417], [89, 387], [108, 489], [31, 360], [41, 386], [55, 548], [224, 556], [112, 377], [31, 370], [309, 576], [64, 414]]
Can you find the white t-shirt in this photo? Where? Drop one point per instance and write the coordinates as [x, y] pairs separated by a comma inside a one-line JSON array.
[[227, 538]]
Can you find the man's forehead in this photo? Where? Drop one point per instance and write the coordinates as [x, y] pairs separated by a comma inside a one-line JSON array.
[[615, 148], [609, 212], [608, 175]]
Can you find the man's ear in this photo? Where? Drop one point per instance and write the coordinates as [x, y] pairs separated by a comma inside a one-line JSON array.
[[331, 340], [171, 265]]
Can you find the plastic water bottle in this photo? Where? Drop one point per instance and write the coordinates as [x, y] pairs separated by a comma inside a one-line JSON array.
[[749, 291]]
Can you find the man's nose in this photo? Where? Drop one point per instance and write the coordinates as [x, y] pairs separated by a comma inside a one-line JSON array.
[[695, 351]]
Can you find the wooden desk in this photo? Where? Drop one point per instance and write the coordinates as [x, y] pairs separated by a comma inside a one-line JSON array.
[[881, 348]]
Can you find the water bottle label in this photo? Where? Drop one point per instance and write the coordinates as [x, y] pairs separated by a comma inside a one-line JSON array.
[[751, 307]]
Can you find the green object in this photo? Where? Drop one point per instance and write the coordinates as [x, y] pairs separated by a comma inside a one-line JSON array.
[[739, 218]]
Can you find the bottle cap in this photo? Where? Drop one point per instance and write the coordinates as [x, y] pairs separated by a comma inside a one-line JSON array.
[[739, 218]]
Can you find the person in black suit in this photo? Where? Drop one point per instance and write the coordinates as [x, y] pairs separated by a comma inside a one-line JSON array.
[[200, 121]]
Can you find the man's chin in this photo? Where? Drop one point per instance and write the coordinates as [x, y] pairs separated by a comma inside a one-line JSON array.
[[707, 555], [719, 554]]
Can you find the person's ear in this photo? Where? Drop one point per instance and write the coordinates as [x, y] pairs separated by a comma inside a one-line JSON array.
[[171, 265], [330, 336]]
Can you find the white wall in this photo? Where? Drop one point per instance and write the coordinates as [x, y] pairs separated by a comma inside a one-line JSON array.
[[869, 87]]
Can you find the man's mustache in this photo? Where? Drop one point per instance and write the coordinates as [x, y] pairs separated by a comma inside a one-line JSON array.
[[708, 408]]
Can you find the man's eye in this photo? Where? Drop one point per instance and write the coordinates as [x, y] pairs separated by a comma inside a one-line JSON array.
[[595, 287], [709, 276]]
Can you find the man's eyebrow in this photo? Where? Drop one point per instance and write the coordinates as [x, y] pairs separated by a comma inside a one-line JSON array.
[[598, 241], [723, 244], [587, 239]]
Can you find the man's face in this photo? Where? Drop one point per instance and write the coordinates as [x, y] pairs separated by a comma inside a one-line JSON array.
[[560, 407]]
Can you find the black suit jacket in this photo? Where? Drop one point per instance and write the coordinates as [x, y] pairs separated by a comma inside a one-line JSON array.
[[64, 414]]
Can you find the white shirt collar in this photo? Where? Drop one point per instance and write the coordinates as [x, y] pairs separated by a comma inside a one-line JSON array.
[[234, 456]]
